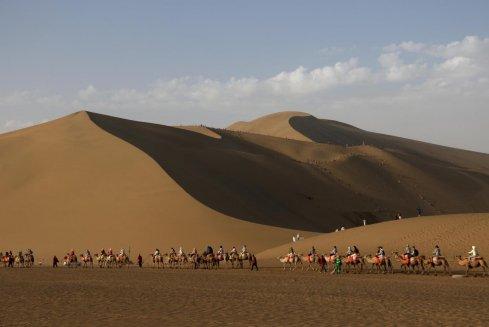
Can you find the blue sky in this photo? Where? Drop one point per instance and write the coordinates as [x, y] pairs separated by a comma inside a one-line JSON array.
[[219, 61]]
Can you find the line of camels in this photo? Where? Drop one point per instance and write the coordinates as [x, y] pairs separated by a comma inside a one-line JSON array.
[[356, 263]]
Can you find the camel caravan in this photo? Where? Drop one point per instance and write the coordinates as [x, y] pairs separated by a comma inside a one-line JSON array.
[[410, 261], [20, 260], [207, 259]]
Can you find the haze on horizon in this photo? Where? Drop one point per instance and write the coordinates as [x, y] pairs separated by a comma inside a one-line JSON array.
[[417, 70]]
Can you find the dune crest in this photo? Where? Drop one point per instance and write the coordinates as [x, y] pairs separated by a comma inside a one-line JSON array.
[[201, 130], [276, 124]]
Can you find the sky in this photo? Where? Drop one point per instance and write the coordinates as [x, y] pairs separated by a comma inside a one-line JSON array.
[[416, 69]]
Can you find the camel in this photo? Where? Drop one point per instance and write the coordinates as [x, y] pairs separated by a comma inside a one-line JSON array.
[[290, 260], [354, 261], [246, 256], [28, 260], [477, 262], [70, 261], [407, 264], [434, 262], [122, 260], [157, 260], [382, 265], [311, 260], [234, 259], [87, 260], [19, 260]]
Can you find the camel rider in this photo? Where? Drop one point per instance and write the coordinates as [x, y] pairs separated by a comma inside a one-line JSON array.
[[313, 251], [355, 250], [102, 252], [414, 252], [473, 253], [194, 251], [380, 253], [220, 252], [436, 253], [291, 252], [157, 252], [122, 253], [87, 253], [110, 252], [209, 250], [180, 251], [349, 251], [334, 251], [407, 252], [233, 250], [244, 250]]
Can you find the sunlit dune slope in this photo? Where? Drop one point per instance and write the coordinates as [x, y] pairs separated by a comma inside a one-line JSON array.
[[455, 234], [69, 184]]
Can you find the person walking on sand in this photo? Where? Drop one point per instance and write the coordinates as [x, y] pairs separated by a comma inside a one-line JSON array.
[[140, 261], [254, 263], [55, 262]]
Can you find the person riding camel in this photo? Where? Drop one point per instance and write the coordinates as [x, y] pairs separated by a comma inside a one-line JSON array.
[[436, 253], [355, 250], [414, 252], [194, 252], [87, 254], [110, 252], [407, 252], [333, 252], [380, 253], [312, 253], [122, 253], [349, 251], [180, 251], [103, 253], [157, 252], [291, 253], [220, 251], [473, 253], [244, 250], [208, 250]]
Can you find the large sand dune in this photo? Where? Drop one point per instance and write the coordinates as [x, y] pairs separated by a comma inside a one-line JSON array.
[[69, 184], [455, 234], [90, 180]]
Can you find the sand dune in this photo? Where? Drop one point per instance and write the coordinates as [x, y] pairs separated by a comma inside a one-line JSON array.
[[455, 234], [276, 124], [94, 180], [69, 184]]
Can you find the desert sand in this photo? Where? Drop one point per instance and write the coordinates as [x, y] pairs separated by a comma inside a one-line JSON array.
[[128, 297], [455, 234]]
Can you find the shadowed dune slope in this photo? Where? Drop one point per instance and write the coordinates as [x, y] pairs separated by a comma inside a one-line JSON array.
[[333, 132], [455, 234], [302, 185], [69, 184], [242, 179]]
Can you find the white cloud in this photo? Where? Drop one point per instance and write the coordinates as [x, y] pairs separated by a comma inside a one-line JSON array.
[[413, 80]]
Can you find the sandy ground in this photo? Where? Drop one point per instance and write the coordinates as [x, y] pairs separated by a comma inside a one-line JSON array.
[[96, 297]]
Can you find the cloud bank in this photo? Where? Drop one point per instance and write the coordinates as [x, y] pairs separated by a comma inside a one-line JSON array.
[[433, 92]]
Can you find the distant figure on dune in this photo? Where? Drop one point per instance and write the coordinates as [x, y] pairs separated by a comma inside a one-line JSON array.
[[398, 216], [253, 263], [419, 211], [140, 261], [55, 262]]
